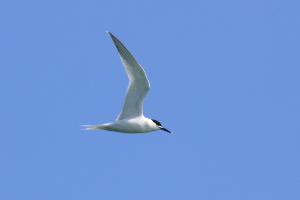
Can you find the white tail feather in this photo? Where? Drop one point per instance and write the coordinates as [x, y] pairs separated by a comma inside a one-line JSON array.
[[95, 127]]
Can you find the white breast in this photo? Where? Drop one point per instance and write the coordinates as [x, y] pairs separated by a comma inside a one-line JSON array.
[[134, 125]]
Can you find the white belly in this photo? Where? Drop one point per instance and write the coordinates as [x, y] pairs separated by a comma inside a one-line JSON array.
[[136, 125]]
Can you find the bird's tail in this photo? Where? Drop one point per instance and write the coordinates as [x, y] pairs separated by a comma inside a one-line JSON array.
[[95, 127]]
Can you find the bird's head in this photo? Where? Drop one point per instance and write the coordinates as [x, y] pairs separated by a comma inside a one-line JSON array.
[[160, 126]]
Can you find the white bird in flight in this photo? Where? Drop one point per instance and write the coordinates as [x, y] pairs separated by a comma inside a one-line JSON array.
[[131, 118]]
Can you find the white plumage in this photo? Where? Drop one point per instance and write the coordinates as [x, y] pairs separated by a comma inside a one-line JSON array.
[[131, 118]]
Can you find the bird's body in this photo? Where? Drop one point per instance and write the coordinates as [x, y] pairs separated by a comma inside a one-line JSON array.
[[134, 125], [131, 118]]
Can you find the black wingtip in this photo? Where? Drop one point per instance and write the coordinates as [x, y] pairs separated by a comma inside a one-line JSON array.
[[112, 36]]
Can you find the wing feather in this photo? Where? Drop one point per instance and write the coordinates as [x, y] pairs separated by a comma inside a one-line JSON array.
[[138, 82]]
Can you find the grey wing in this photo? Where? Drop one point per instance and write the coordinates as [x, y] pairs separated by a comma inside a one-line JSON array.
[[138, 83]]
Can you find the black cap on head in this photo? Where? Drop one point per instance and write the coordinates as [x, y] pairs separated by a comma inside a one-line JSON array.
[[156, 122], [160, 126]]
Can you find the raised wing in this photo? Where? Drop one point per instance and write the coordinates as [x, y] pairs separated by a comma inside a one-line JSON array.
[[138, 83]]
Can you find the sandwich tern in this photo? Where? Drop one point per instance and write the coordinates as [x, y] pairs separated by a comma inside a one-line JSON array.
[[131, 118]]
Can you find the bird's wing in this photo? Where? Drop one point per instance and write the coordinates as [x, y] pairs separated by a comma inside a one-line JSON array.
[[138, 83]]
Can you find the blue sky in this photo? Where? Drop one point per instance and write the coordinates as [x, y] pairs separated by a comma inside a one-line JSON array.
[[224, 77]]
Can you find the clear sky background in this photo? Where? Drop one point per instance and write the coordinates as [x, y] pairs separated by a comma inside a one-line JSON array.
[[225, 79]]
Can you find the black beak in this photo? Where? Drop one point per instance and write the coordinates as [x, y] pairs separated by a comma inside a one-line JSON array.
[[162, 128]]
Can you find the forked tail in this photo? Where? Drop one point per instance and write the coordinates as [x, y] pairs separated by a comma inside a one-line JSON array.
[[95, 127]]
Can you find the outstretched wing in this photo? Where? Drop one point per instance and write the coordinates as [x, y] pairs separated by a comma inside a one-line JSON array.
[[138, 82]]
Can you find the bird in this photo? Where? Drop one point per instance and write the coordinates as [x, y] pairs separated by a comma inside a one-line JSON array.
[[131, 118]]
